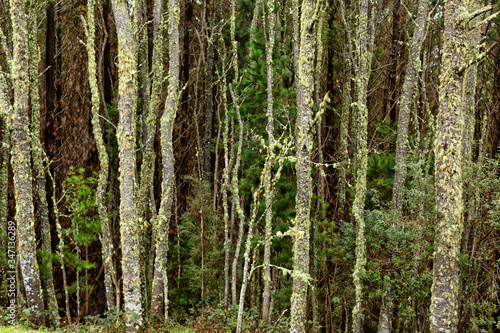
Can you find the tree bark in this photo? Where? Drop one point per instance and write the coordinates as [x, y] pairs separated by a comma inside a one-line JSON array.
[[5, 120], [448, 171], [209, 103], [106, 242], [160, 282], [268, 193], [21, 165], [304, 142], [365, 36], [127, 90], [38, 166], [405, 104], [152, 100]]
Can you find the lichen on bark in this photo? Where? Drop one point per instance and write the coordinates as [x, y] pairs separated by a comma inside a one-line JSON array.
[[39, 168], [21, 164], [365, 36], [109, 272], [160, 282], [448, 170], [127, 90], [304, 144]]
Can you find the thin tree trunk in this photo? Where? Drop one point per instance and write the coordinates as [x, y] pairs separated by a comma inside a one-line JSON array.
[[365, 37], [234, 180], [344, 118], [225, 187], [246, 256], [304, 142], [405, 104], [60, 248], [127, 89], [146, 200], [37, 155], [21, 165], [448, 172], [106, 243], [236, 201], [209, 103], [160, 282], [268, 173]]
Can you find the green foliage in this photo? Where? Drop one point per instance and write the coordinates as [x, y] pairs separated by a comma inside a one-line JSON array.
[[81, 206], [188, 294], [80, 194]]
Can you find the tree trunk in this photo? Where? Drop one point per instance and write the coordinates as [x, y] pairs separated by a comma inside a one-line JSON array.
[[160, 283], [38, 155], [5, 120], [365, 37], [268, 194], [146, 202], [109, 274], [304, 142], [21, 165], [386, 311], [448, 171], [209, 103], [405, 104], [127, 90], [344, 118]]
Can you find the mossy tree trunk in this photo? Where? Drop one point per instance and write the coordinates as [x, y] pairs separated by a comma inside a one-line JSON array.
[[151, 107], [21, 163], [160, 282], [5, 120], [405, 104], [109, 272], [365, 35], [346, 110], [37, 154], [304, 143], [448, 170], [127, 90]]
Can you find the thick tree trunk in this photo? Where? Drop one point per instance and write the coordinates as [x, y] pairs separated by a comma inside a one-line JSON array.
[[21, 165], [109, 273], [127, 90], [304, 143], [448, 171], [160, 282]]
